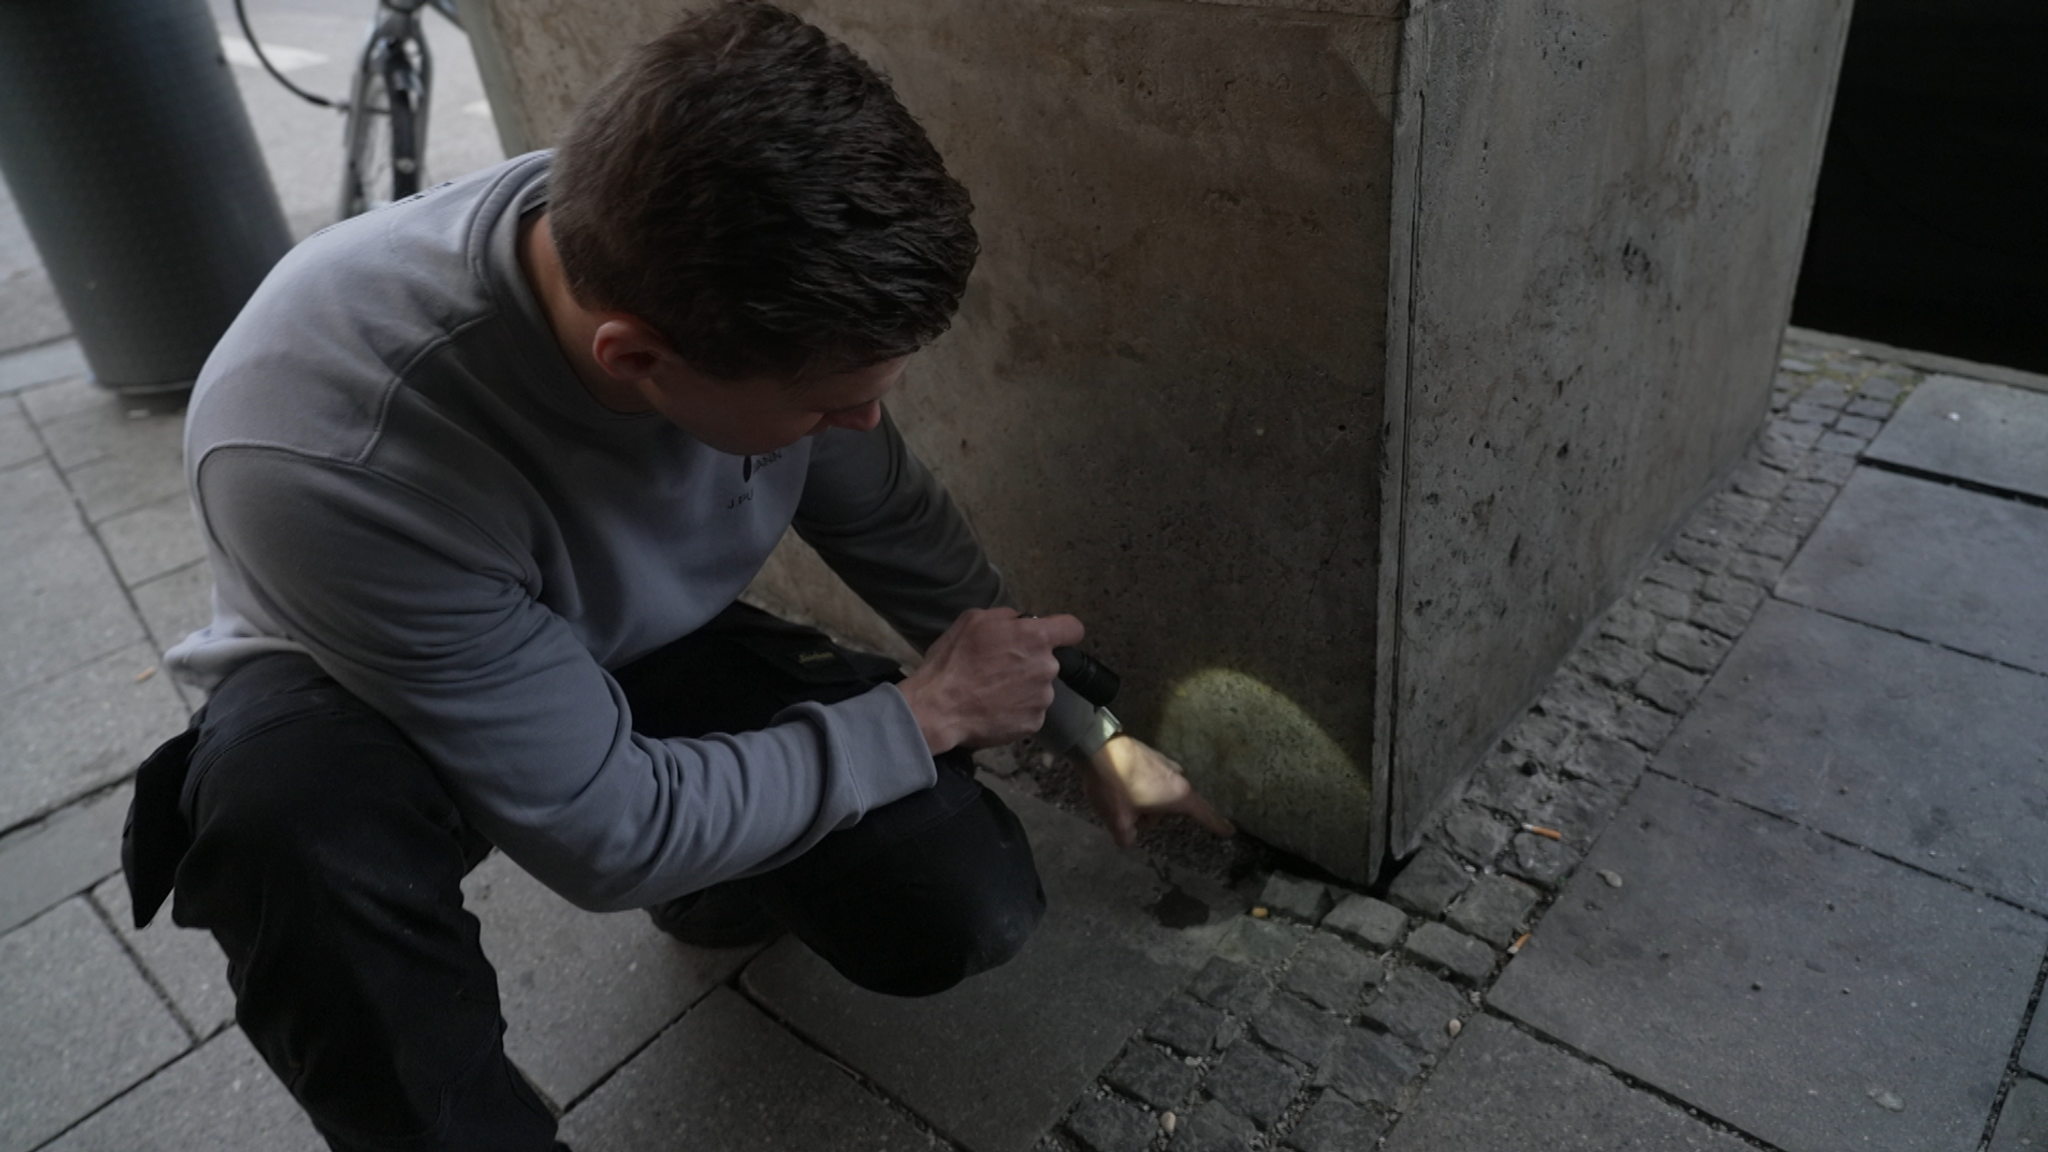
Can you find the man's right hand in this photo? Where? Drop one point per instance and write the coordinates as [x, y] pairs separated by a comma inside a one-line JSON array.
[[988, 680]]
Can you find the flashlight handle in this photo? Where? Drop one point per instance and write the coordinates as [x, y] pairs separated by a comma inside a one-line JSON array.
[[1086, 675]]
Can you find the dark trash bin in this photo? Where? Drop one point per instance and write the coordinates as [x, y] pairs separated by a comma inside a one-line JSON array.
[[130, 155]]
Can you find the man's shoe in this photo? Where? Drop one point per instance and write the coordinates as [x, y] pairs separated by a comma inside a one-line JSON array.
[[717, 917]]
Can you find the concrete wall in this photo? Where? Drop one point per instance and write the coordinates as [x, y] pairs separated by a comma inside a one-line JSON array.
[[1272, 292], [1611, 201], [1160, 403]]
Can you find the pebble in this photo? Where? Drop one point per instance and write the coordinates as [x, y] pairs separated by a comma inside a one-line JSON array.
[[1167, 1122], [1887, 1100], [1612, 877], [1455, 1027]]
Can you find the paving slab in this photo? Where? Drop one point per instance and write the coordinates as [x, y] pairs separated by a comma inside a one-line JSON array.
[[1367, 920], [1187, 1025], [64, 395], [1153, 1077], [1332, 973], [726, 1077], [1429, 881], [1493, 909], [1110, 1125], [61, 856], [219, 1097], [1991, 434], [184, 963], [91, 424], [2034, 1057], [1921, 753], [176, 604], [30, 367], [1941, 563], [1446, 947], [1291, 1025], [1213, 1127], [1334, 1124], [65, 606], [996, 1061], [1371, 1067], [1499, 1090], [1254, 1085], [18, 442], [153, 540], [82, 731], [1779, 980], [140, 474], [1418, 1008], [582, 991], [2023, 1123], [77, 1024]]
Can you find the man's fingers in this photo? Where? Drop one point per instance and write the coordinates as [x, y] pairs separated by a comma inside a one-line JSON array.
[[1194, 807], [1059, 631]]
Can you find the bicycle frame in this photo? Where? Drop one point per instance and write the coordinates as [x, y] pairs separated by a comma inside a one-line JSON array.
[[395, 59]]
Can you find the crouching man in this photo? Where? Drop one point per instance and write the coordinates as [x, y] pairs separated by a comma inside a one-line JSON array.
[[481, 476]]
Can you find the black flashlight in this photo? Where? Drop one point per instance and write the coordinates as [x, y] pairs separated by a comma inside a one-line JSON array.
[[1088, 676]]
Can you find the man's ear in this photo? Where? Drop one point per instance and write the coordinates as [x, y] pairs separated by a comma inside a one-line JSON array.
[[628, 348]]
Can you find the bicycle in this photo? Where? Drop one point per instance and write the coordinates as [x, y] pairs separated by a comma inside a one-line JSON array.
[[384, 133]]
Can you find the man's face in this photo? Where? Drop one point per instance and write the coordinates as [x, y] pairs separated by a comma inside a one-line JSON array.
[[752, 417]]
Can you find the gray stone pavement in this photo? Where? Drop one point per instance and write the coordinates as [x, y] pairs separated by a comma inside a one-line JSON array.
[[1766, 866]]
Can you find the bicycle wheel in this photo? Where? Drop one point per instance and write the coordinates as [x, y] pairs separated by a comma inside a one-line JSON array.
[[382, 163]]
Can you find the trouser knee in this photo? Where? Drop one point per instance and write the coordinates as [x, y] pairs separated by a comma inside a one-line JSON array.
[[920, 914]]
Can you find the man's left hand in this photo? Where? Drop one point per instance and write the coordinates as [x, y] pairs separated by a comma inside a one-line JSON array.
[[1128, 781]]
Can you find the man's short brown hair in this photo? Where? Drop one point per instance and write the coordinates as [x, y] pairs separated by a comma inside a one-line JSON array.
[[755, 191]]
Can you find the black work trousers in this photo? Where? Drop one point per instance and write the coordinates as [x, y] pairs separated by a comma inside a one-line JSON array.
[[321, 850]]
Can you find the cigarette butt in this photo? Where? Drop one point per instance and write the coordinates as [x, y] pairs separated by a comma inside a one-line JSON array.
[[1515, 949], [1547, 833], [1260, 913], [145, 674]]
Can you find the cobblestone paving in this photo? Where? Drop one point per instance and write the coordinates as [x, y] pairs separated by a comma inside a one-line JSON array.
[[1267, 1049]]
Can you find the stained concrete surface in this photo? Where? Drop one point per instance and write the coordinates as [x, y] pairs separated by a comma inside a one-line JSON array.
[[1935, 562], [1917, 752], [983, 1073], [1780, 981], [1990, 434], [727, 1077], [1501, 1091]]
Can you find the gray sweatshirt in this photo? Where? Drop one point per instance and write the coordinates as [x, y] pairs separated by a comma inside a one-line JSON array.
[[398, 473]]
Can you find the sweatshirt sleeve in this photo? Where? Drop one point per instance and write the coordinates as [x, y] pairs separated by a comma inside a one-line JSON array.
[[885, 524], [429, 619]]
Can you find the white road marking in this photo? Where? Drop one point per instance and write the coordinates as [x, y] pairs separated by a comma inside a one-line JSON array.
[[285, 59]]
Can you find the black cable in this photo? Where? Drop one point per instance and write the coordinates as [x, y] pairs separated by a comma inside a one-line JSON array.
[[242, 16]]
